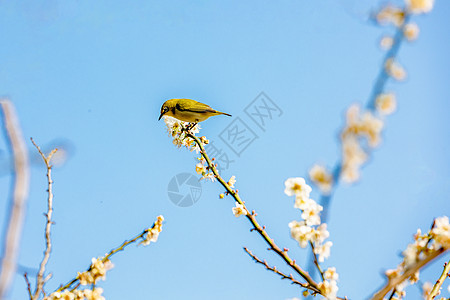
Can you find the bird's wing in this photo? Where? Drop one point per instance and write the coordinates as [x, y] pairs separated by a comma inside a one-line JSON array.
[[194, 106]]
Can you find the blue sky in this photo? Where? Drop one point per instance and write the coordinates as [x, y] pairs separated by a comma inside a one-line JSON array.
[[96, 74]]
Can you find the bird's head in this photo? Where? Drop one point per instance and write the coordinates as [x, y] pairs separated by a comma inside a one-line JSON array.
[[166, 109]]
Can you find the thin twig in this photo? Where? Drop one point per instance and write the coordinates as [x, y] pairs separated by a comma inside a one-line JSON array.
[[274, 269], [47, 278], [437, 286], [25, 275], [283, 276], [17, 204], [393, 282], [316, 262], [392, 294], [40, 280], [125, 244], [252, 218], [108, 255], [75, 287]]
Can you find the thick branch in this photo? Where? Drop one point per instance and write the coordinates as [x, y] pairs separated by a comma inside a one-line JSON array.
[[20, 185], [393, 282]]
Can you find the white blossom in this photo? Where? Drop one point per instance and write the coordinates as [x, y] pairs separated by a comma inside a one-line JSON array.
[[323, 251], [297, 186], [239, 210], [301, 233], [441, 231]]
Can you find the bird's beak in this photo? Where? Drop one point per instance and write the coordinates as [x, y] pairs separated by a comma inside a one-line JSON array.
[[162, 114]]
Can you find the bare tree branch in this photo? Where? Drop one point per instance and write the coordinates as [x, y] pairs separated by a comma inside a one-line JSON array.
[[40, 280]]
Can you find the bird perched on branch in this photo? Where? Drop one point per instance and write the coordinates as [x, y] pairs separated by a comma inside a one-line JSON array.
[[188, 110]]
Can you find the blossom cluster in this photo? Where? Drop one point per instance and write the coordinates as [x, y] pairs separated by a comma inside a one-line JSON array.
[[424, 245], [385, 103], [153, 232], [411, 31], [368, 125], [97, 270], [390, 14], [360, 126], [239, 210], [321, 178], [86, 294], [441, 232], [202, 168], [311, 231], [419, 6], [178, 130], [394, 69], [329, 285]]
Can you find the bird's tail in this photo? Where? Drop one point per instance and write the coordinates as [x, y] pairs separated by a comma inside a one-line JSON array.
[[222, 113]]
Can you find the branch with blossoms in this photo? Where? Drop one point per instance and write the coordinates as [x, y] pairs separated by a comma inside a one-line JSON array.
[[183, 134], [426, 248], [436, 289], [362, 131], [99, 266], [310, 231]]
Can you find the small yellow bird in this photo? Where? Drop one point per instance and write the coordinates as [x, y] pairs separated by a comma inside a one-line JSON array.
[[188, 110]]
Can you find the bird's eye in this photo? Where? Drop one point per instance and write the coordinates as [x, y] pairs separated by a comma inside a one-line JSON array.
[[166, 109]]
